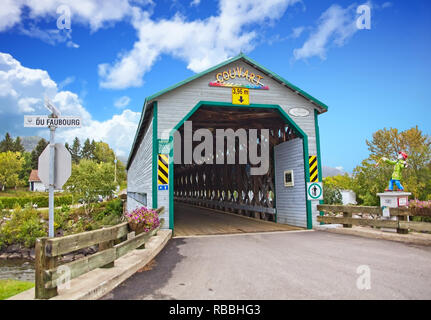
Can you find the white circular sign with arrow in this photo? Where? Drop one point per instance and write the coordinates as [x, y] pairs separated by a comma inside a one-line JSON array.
[[314, 191]]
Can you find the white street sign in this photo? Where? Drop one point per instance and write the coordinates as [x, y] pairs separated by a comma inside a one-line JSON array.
[[314, 191], [45, 122], [63, 166]]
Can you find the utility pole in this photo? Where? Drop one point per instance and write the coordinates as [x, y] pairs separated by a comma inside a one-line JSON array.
[[115, 162]]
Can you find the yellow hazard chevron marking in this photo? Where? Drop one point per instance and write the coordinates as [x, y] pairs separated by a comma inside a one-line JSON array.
[[163, 169], [314, 174]]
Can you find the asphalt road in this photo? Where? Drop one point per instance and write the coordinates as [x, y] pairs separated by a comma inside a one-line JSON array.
[[289, 265]]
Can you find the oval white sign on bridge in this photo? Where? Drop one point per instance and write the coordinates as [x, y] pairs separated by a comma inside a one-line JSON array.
[[299, 112]]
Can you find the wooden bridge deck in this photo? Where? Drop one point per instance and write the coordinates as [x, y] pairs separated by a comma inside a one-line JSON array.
[[192, 220]]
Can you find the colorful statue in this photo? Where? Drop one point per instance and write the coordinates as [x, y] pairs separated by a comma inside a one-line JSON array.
[[399, 165]]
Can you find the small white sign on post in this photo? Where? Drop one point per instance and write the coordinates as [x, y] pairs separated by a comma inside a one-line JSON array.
[[314, 191], [46, 122]]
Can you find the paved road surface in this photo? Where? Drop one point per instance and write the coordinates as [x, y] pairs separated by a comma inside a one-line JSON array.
[[288, 265]]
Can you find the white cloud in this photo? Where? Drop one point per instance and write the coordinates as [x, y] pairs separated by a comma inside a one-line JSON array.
[[22, 90], [386, 4], [296, 32], [335, 26], [201, 43], [94, 13], [195, 3], [122, 102], [118, 132], [66, 82]]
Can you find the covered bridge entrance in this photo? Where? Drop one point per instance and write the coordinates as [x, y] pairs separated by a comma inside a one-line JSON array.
[[201, 150]]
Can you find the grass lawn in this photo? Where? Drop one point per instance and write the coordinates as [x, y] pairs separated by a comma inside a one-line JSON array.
[[9, 288]]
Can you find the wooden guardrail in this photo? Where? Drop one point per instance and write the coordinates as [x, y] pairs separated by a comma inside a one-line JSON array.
[[113, 243], [374, 217]]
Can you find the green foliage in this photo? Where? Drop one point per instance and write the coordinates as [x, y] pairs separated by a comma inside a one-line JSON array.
[[90, 179], [37, 151], [331, 194], [24, 174], [88, 149], [76, 150], [7, 144], [341, 182], [17, 145], [9, 288], [23, 227], [11, 164], [40, 201]]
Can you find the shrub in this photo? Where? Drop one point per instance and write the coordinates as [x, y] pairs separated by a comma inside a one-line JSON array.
[[40, 201], [331, 195], [24, 226]]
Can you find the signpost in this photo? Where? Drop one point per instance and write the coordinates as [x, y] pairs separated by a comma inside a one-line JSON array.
[[314, 191], [54, 167]]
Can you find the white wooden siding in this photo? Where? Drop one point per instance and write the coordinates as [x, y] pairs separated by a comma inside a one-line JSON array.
[[290, 201], [140, 173]]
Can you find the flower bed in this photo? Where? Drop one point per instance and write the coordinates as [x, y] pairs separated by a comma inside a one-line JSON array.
[[143, 220], [420, 208]]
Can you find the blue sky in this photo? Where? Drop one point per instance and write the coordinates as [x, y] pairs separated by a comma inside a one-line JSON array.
[[118, 52]]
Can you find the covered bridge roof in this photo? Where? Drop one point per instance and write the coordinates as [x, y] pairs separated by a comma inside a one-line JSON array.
[[321, 107]]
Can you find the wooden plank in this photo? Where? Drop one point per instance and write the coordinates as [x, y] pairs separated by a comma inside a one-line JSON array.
[[347, 215], [409, 212], [80, 266], [415, 225], [63, 245], [104, 246], [138, 241], [349, 209], [41, 264], [359, 222]]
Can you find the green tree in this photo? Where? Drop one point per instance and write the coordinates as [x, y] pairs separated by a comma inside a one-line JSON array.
[[87, 151], [331, 194], [341, 182], [76, 150], [103, 153], [90, 179], [37, 151], [17, 146], [7, 144], [11, 164], [26, 168]]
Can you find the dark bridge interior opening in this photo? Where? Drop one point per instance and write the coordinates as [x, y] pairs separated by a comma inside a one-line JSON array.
[[230, 187]]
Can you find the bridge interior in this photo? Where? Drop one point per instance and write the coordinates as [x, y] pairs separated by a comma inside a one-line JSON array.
[[227, 187]]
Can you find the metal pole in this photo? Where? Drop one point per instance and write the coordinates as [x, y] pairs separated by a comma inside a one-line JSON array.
[[115, 162], [51, 181]]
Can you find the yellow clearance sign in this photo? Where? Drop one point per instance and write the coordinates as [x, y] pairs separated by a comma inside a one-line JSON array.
[[163, 170], [314, 172], [240, 96]]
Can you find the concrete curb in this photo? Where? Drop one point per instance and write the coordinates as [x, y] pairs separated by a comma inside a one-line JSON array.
[[411, 238], [97, 283]]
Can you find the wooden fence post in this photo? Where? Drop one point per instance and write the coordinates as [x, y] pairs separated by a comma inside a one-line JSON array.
[[399, 230], [347, 215], [107, 245], [42, 263]]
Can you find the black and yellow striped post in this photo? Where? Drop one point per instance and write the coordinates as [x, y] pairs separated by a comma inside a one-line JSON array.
[[163, 169], [314, 171]]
